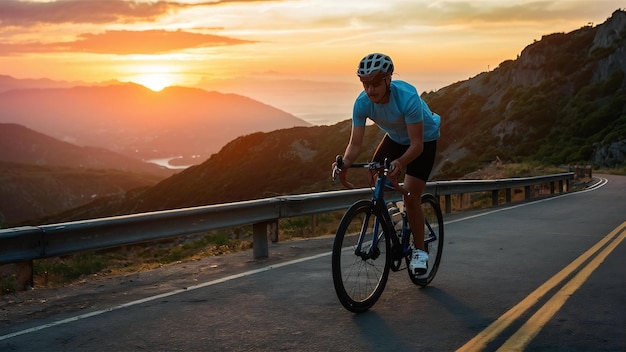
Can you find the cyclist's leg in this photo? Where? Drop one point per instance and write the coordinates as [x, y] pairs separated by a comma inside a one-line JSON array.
[[417, 174], [413, 206]]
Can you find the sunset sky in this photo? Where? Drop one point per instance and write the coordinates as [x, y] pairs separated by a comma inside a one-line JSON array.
[[297, 55]]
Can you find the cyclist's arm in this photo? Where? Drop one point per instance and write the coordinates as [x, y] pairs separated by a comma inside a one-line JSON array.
[[349, 156], [354, 146]]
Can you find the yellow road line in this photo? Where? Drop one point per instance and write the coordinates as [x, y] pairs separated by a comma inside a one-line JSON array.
[[531, 328], [480, 341]]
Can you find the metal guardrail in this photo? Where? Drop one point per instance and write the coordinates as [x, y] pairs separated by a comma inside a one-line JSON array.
[[22, 245]]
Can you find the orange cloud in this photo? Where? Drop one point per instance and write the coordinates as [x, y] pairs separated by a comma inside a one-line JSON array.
[[27, 13], [126, 42]]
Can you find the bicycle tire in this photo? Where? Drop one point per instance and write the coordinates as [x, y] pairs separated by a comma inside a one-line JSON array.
[[433, 240], [360, 281]]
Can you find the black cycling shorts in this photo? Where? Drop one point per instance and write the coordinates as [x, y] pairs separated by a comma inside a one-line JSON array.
[[420, 167]]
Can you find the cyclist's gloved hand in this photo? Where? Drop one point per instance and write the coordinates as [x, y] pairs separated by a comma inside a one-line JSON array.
[[341, 173], [395, 168], [335, 172]]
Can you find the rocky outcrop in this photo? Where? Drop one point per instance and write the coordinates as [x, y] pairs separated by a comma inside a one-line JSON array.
[[612, 155], [610, 35]]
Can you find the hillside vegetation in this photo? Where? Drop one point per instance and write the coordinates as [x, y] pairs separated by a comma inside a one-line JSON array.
[[562, 101]]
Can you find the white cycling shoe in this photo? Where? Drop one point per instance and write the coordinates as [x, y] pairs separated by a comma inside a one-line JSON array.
[[419, 262]]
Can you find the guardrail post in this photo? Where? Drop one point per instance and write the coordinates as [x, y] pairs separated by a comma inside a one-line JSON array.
[[494, 197], [508, 195], [24, 275], [448, 200], [260, 232], [527, 192]]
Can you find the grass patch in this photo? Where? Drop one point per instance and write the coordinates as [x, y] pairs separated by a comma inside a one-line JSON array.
[[69, 268], [309, 226]]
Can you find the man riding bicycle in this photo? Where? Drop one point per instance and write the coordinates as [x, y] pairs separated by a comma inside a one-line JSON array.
[[411, 133]]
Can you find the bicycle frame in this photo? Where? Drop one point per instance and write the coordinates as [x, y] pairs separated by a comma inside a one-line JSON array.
[[379, 202], [403, 243]]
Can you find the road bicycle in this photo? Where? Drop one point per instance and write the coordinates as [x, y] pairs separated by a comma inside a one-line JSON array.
[[374, 237]]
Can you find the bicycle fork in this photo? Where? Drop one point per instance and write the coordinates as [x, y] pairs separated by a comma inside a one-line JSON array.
[[373, 252]]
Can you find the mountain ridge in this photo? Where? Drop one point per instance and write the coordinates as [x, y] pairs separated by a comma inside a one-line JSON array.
[[21, 145]]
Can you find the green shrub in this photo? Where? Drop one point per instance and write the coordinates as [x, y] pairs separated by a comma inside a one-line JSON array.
[[8, 284]]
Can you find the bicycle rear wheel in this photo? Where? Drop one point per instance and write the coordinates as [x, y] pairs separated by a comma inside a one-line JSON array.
[[433, 239], [360, 276]]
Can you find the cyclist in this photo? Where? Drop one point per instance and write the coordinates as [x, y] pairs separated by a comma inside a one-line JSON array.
[[410, 141]]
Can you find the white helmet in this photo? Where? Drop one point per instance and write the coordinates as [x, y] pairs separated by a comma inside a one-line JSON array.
[[375, 66]]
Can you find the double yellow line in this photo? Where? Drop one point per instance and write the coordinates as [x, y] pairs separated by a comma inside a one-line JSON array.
[[520, 339]]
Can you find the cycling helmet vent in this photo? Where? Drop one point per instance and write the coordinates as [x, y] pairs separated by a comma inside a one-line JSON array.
[[375, 63]]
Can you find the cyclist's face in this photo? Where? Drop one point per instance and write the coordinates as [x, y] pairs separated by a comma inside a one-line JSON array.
[[376, 90]]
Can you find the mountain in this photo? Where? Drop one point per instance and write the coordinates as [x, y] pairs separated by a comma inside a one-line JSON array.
[[31, 191], [9, 83], [22, 145], [135, 121], [40, 175], [562, 101]]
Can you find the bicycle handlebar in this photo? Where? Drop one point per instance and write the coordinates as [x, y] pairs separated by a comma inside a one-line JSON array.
[[372, 165]]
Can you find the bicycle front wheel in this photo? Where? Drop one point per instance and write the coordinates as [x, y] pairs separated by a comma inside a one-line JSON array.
[[433, 239], [360, 264]]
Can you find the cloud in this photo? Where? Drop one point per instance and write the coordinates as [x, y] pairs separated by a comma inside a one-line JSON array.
[[470, 12], [126, 42], [28, 13], [25, 13]]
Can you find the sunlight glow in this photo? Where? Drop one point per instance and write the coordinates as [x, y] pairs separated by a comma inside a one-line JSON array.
[[154, 76], [154, 81]]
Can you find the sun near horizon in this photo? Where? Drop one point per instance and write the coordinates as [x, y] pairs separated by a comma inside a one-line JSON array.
[[155, 73], [154, 81]]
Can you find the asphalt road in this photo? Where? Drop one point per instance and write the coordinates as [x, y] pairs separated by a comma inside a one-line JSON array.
[[541, 276]]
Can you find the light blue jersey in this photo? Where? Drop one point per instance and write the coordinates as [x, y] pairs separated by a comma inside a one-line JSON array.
[[404, 107]]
